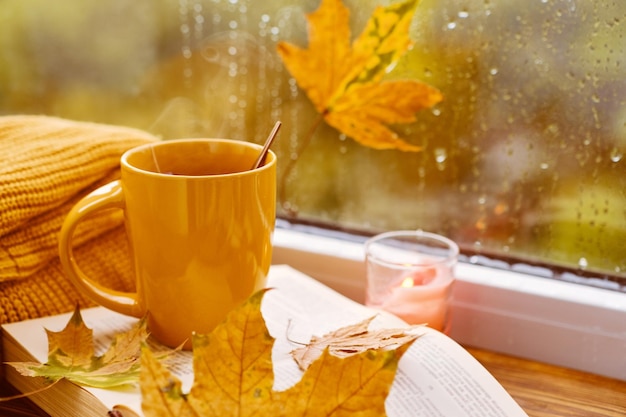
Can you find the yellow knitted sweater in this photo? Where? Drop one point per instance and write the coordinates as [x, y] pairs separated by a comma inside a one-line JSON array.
[[46, 165]]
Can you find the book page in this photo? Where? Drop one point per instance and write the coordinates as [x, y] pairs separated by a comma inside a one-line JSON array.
[[436, 377]]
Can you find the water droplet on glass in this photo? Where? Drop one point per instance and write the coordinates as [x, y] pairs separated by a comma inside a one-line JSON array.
[[463, 14], [451, 25], [616, 155], [232, 69], [582, 263], [440, 155], [493, 71], [544, 165]]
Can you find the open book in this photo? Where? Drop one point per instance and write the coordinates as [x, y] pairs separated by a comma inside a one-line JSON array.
[[436, 377]]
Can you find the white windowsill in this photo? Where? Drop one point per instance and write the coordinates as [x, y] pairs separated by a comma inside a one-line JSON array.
[[542, 319]]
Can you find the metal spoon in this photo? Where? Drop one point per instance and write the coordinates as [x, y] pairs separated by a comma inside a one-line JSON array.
[[259, 161]]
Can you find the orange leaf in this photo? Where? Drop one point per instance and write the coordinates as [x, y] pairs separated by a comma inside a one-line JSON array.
[[162, 394], [344, 80], [234, 376], [337, 387], [72, 347], [233, 365]]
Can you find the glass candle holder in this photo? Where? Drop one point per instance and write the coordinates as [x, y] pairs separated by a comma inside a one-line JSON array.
[[410, 274]]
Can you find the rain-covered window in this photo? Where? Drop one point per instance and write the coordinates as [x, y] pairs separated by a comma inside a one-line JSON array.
[[522, 160]]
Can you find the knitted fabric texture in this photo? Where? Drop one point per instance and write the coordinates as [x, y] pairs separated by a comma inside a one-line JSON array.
[[47, 164]]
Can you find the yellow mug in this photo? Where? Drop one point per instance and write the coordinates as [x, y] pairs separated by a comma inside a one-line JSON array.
[[200, 223]]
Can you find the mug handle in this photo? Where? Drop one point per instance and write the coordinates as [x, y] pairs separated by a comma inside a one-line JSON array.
[[107, 196]]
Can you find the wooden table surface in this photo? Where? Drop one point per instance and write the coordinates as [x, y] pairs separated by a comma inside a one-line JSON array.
[[545, 390], [542, 390]]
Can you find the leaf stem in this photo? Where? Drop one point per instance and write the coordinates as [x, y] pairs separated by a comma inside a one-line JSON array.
[[28, 394], [292, 161], [288, 337]]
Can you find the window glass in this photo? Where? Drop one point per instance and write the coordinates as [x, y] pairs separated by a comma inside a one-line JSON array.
[[523, 158]]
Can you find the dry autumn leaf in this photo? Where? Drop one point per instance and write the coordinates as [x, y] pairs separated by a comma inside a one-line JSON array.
[[232, 370], [353, 339], [71, 355], [233, 376], [344, 80], [356, 385]]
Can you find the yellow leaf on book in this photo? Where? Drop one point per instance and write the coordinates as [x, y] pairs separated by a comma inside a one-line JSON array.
[[353, 339], [71, 355], [356, 385], [233, 376]]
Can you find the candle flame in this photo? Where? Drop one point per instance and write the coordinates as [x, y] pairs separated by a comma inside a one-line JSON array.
[[407, 282]]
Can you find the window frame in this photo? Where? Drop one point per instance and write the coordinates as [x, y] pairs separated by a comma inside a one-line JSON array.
[[511, 312]]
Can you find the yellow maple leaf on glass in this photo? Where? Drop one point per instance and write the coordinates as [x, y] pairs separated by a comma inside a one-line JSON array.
[[344, 79]]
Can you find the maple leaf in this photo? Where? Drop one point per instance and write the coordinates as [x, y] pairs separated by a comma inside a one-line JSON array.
[[233, 376], [345, 82], [71, 355], [356, 385], [353, 339], [232, 370]]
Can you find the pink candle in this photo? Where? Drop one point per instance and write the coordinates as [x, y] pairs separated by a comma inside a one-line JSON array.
[[410, 274], [421, 301]]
